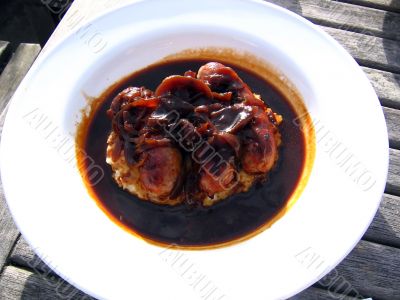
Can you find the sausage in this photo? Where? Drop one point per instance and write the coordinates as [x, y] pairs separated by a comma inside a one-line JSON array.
[[261, 152], [160, 170], [212, 182], [214, 108]]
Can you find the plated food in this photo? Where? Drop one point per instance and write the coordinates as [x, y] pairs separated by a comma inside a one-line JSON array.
[[197, 139], [73, 225], [197, 153]]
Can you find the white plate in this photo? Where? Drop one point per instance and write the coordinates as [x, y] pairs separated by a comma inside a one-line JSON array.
[[69, 232]]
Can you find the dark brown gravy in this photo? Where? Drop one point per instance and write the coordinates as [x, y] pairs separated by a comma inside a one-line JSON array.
[[236, 218]]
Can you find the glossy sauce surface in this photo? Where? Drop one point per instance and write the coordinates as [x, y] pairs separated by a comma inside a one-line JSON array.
[[185, 225]]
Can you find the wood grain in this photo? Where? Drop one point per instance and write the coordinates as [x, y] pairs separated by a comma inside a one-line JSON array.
[[393, 180], [8, 231], [23, 255], [386, 85], [372, 269], [392, 117], [3, 48], [385, 228], [390, 5], [9, 81], [313, 293], [16, 283], [15, 71], [346, 16], [369, 51]]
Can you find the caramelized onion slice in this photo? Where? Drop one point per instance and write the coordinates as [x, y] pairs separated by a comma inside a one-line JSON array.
[[232, 118], [128, 95], [132, 116], [169, 111], [222, 97], [223, 79], [219, 77], [222, 139], [184, 87]]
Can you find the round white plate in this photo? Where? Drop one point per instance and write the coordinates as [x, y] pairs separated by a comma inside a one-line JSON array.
[[68, 231]]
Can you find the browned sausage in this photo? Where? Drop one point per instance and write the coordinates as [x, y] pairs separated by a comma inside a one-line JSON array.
[[212, 182], [261, 153], [160, 170]]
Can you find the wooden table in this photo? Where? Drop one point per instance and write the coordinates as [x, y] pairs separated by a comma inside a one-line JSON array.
[[370, 31]]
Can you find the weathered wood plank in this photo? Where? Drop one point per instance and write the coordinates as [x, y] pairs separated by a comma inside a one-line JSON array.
[[392, 117], [3, 54], [366, 49], [313, 293], [347, 16], [3, 47], [369, 51], [9, 80], [24, 256], [15, 71], [17, 283], [386, 85], [8, 231], [373, 270], [390, 5], [385, 228], [393, 180]]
